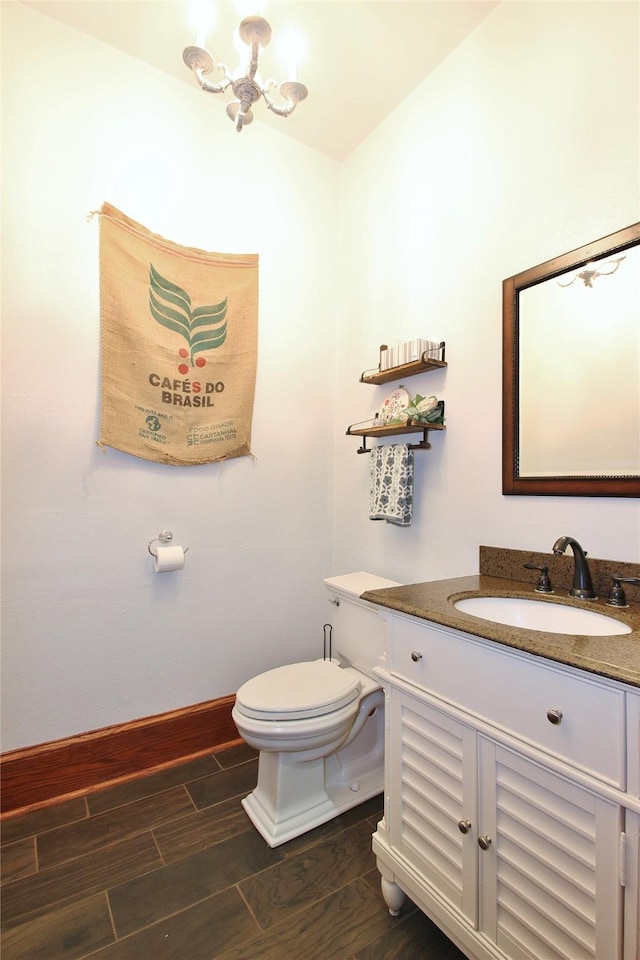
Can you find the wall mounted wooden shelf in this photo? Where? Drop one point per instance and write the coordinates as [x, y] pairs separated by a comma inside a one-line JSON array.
[[406, 369], [394, 430]]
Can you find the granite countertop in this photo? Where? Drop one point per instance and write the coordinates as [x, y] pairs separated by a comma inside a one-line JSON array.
[[616, 657]]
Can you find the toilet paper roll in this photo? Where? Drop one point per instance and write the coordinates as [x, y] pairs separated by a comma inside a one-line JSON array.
[[168, 558]]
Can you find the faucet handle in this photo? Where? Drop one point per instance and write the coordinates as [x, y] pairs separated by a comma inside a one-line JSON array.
[[617, 596], [544, 583]]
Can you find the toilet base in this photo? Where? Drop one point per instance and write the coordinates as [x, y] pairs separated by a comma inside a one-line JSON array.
[[294, 795], [337, 800]]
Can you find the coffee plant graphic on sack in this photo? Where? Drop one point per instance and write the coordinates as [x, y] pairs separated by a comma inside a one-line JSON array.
[[202, 328]]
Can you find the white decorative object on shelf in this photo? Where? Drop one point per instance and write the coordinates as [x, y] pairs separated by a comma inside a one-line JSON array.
[[408, 351], [393, 404]]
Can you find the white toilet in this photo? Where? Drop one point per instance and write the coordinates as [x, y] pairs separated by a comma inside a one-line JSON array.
[[319, 725]]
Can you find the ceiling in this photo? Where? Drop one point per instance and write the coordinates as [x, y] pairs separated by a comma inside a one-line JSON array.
[[362, 57]]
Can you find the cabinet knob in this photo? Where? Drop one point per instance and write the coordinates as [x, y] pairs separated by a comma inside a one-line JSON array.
[[464, 826], [415, 656], [484, 842], [554, 716]]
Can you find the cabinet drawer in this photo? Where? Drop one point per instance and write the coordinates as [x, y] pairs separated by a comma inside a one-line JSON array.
[[574, 717]]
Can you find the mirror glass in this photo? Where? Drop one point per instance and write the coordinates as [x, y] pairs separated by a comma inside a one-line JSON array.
[[571, 372]]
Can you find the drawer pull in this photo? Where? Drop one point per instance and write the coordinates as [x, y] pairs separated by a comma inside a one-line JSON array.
[[415, 656], [554, 716], [464, 826], [484, 842]]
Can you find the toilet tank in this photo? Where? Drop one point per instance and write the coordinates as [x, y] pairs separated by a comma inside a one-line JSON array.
[[358, 630]]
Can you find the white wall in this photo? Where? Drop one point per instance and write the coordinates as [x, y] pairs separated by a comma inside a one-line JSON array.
[[522, 145], [91, 636]]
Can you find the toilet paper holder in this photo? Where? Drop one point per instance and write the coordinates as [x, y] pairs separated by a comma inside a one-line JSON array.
[[165, 536]]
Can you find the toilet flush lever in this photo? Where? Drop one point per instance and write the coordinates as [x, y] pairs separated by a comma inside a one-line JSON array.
[[335, 601]]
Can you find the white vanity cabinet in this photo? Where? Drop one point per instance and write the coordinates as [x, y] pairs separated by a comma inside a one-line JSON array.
[[632, 832], [507, 817]]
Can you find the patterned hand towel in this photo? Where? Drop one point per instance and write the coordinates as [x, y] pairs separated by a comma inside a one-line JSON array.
[[391, 484]]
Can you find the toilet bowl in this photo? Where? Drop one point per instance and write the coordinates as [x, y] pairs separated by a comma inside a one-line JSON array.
[[319, 725]]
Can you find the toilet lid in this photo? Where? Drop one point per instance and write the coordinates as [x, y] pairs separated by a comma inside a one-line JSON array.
[[297, 691]]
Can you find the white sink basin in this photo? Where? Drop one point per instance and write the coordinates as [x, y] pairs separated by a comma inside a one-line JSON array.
[[541, 615]]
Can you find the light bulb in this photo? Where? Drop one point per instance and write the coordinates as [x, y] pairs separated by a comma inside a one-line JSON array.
[[250, 8], [291, 50], [201, 16]]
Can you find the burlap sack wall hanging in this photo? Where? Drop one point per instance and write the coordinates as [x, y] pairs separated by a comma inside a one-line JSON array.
[[179, 346]]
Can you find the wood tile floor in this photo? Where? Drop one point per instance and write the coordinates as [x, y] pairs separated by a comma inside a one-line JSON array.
[[168, 867]]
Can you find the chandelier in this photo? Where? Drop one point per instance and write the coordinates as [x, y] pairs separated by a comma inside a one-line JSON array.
[[246, 86], [591, 272]]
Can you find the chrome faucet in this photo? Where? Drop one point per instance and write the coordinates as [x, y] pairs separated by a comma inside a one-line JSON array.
[[582, 586]]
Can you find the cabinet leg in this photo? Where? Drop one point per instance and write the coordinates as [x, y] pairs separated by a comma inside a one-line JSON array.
[[393, 896]]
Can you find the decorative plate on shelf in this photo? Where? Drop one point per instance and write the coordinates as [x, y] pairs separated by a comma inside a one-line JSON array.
[[393, 404]]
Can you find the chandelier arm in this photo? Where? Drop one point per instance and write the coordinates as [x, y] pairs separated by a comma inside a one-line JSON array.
[[280, 111], [253, 63], [292, 91], [209, 87]]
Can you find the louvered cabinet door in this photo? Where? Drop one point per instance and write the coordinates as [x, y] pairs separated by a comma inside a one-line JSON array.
[[433, 770], [548, 862]]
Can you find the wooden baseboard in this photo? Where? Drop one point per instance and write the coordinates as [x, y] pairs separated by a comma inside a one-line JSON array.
[[33, 776]]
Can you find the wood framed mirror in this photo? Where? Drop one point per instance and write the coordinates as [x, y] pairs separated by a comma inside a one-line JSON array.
[[571, 373]]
